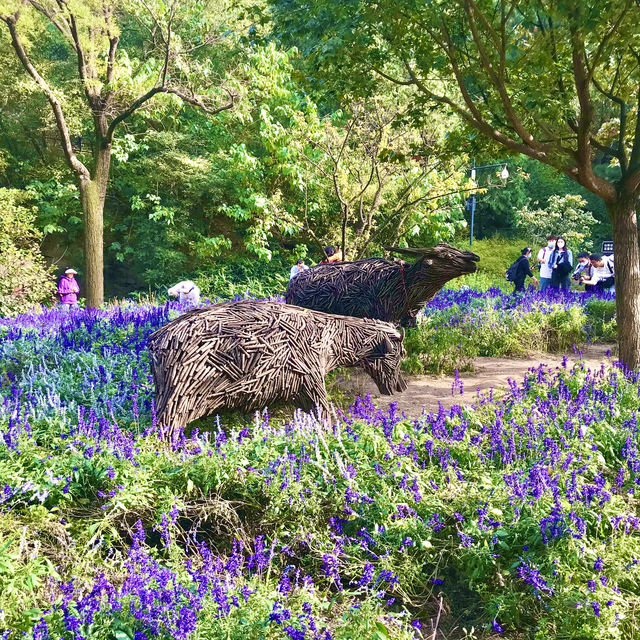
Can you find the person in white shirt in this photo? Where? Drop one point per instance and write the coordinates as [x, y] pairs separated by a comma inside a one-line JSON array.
[[297, 268], [543, 262], [186, 291], [603, 276], [583, 270]]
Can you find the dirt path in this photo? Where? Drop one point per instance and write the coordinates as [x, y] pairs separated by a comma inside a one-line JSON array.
[[427, 390]]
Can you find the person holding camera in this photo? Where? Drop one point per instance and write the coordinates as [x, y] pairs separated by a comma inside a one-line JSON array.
[[583, 270], [298, 268], [603, 277]]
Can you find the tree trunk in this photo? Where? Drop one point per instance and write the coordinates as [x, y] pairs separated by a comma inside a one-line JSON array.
[[92, 195], [627, 270], [93, 208], [345, 217]]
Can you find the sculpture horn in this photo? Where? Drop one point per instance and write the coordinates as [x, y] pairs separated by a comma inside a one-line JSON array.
[[405, 250]]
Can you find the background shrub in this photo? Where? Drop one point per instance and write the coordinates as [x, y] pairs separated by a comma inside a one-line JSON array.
[[25, 280], [496, 254]]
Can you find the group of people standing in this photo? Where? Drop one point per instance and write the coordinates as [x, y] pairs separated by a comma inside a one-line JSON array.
[[593, 270]]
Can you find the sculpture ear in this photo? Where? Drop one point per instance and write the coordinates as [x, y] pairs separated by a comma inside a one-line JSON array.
[[387, 346]]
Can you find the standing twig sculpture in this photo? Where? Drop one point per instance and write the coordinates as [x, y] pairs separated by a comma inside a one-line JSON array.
[[249, 354], [393, 291]]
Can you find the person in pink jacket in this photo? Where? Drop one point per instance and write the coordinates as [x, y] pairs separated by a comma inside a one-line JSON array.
[[68, 290]]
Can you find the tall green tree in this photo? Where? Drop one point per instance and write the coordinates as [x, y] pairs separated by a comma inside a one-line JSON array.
[[114, 58], [556, 81]]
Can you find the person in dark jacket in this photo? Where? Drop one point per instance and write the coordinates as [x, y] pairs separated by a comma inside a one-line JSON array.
[[561, 264], [523, 269]]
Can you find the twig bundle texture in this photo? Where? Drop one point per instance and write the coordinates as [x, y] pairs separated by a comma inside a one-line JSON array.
[[250, 354], [393, 291]]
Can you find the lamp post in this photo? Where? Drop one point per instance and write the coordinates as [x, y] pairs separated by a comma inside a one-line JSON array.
[[471, 202]]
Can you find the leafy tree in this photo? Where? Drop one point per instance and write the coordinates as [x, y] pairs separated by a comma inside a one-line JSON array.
[[259, 182], [386, 178], [25, 279], [557, 82], [122, 54], [563, 215], [532, 183], [359, 177]]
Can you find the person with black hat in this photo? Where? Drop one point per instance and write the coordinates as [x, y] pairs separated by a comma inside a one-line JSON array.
[[520, 269], [331, 255]]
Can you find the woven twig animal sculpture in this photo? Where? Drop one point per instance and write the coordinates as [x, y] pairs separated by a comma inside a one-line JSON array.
[[393, 291], [250, 354]]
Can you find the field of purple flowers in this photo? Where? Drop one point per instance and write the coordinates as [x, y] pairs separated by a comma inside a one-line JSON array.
[[512, 518], [457, 326]]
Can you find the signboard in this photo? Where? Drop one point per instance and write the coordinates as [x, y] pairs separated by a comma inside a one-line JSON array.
[[607, 247]]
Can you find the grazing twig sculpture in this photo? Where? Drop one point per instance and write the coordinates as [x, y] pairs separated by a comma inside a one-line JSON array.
[[393, 291], [252, 353]]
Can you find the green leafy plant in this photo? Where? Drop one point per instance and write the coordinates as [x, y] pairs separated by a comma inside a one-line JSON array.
[[563, 216], [25, 279]]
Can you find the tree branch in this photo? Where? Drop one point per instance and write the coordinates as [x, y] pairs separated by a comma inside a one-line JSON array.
[[622, 151], [62, 27], [191, 98], [634, 160], [113, 46], [497, 81], [588, 177], [607, 36], [81, 171]]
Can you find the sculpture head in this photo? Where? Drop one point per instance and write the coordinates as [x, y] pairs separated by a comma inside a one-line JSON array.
[[444, 258], [382, 363]]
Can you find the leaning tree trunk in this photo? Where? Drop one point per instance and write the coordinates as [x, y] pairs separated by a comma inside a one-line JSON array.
[[627, 270]]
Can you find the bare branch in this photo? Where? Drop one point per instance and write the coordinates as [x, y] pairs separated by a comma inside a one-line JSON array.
[[185, 95]]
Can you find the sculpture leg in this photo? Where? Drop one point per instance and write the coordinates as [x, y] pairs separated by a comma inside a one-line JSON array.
[[314, 398]]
